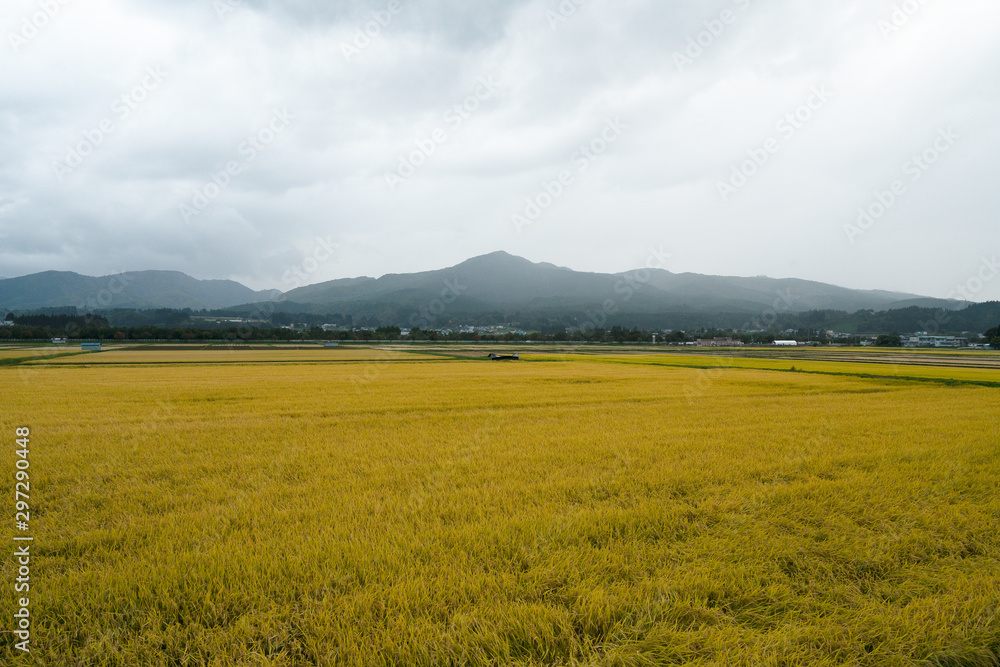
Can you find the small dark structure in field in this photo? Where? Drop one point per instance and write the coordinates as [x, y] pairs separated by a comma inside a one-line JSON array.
[[504, 357]]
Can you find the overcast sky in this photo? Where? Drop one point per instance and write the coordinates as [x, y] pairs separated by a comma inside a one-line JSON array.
[[252, 139]]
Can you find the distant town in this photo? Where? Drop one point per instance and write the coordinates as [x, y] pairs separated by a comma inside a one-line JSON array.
[[60, 329]]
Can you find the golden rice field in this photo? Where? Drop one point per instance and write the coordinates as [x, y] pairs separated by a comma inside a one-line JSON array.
[[150, 355], [989, 376], [400, 509]]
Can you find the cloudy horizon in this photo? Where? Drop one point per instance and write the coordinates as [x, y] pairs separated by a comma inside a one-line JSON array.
[[851, 144]]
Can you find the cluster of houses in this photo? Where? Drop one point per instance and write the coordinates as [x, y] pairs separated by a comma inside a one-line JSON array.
[[736, 342], [923, 340], [719, 342], [915, 340]]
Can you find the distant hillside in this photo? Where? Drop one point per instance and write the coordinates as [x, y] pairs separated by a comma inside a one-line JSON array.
[[490, 289], [503, 285], [136, 289]]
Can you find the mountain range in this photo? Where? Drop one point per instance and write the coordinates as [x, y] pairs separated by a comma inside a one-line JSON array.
[[495, 287], [132, 289], [506, 283]]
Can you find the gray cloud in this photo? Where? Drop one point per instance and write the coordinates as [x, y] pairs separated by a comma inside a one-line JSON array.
[[701, 86]]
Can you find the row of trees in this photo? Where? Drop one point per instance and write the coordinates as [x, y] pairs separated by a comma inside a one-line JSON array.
[[42, 327], [246, 332], [152, 333], [976, 317], [993, 335]]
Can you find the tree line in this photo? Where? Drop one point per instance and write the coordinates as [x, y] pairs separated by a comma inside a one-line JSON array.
[[97, 327]]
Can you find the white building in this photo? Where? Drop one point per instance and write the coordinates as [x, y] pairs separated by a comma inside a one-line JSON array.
[[922, 340], [786, 343]]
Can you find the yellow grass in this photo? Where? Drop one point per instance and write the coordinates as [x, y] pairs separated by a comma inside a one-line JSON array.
[[456, 512], [234, 355], [847, 367]]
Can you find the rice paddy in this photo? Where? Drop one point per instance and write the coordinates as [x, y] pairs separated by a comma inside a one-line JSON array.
[[394, 507], [152, 355]]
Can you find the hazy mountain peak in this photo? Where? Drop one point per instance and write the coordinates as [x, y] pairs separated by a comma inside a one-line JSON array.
[[497, 259], [499, 282]]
